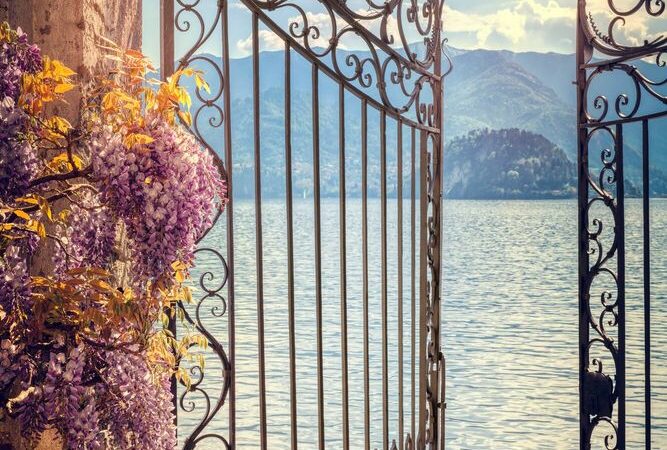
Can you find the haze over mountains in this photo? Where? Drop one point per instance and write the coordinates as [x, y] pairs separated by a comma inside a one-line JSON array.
[[492, 90]]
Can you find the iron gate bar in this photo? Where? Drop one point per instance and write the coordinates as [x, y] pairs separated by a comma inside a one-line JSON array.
[[231, 333], [383, 237], [399, 211], [423, 289], [647, 279], [166, 70], [364, 244], [259, 247], [343, 264], [629, 120], [318, 253], [413, 196], [290, 244], [620, 263]]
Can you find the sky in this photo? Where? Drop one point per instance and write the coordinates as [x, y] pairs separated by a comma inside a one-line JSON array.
[[517, 25]]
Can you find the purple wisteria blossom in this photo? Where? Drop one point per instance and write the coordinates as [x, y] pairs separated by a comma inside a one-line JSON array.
[[18, 163], [165, 192], [17, 57]]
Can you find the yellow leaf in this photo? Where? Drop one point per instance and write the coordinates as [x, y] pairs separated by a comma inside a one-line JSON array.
[[134, 53], [62, 88], [61, 69], [178, 265], [45, 208], [185, 117], [22, 214], [41, 230], [61, 163], [133, 139], [201, 83], [60, 124], [28, 200]]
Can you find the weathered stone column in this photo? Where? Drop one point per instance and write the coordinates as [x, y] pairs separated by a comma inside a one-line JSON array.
[[69, 30]]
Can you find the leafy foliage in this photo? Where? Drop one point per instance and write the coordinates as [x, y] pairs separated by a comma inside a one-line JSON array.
[[121, 200]]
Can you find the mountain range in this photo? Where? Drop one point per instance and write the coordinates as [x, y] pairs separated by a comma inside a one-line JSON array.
[[487, 90]]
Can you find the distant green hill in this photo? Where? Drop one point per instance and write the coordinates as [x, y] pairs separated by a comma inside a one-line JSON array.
[[507, 164]]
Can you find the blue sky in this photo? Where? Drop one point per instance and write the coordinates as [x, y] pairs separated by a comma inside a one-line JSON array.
[[518, 25]]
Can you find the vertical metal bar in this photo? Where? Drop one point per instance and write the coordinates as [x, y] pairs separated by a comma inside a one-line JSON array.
[[259, 256], [231, 318], [413, 279], [620, 236], [436, 235], [385, 336], [399, 207], [343, 264], [647, 281], [318, 253], [423, 288], [364, 245], [443, 387], [582, 220], [290, 243], [167, 58]]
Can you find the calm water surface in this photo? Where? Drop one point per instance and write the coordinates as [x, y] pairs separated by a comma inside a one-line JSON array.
[[509, 325]]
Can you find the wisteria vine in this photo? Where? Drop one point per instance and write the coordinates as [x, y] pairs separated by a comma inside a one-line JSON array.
[[99, 225]]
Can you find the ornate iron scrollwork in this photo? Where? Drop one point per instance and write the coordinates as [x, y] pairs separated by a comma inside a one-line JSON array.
[[433, 366], [599, 394], [385, 70], [212, 283], [601, 202], [211, 293], [377, 66]]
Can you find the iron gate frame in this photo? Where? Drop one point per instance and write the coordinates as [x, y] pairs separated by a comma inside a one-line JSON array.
[[600, 53], [388, 66]]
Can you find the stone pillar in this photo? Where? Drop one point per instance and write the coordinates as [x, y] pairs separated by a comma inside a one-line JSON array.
[[69, 30]]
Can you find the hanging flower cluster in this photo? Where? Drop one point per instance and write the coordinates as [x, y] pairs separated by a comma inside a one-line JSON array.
[[164, 192], [19, 164], [81, 349]]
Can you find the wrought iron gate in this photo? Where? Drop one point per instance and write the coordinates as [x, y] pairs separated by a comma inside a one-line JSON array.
[[605, 130], [400, 85]]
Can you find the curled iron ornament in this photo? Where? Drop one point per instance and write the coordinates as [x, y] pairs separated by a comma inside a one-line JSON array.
[[434, 402], [212, 291], [602, 310], [377, 67], [212, 287], [626, 106], [607, 42]]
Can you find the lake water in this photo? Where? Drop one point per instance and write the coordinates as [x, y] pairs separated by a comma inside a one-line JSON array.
[[509, 325]]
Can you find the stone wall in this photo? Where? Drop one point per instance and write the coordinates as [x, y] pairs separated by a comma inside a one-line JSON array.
[[69, 30]]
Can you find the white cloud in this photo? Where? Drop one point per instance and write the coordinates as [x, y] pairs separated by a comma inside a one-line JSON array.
[[322, 22], [524, 25], [517, 24], [537, 25], [268, 40]]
